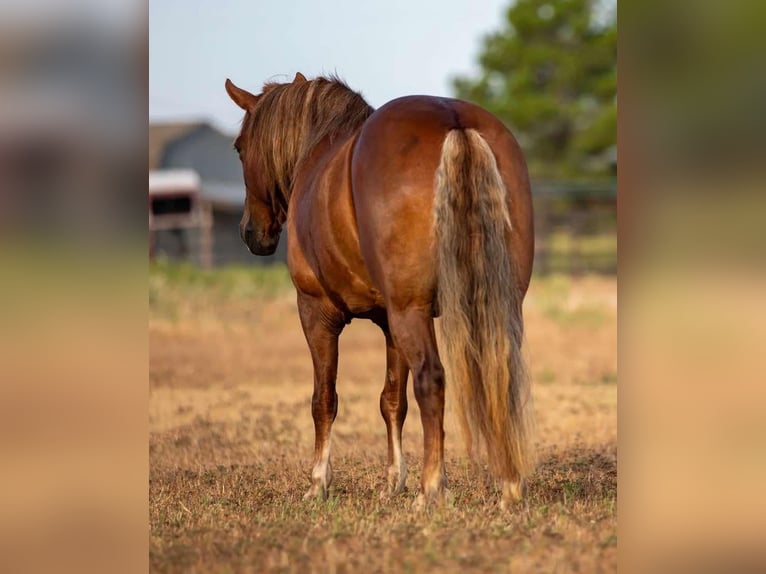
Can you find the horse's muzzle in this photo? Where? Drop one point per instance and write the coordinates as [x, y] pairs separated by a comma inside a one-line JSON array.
[[259, 243]]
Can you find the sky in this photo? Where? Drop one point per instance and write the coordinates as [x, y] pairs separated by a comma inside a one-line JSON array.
[[383, 49]]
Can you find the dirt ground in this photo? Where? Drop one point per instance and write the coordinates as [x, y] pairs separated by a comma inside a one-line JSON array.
[[231, 441]]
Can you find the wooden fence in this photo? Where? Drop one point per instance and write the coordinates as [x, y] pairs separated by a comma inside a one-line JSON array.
[[575, 228], [575, 233]]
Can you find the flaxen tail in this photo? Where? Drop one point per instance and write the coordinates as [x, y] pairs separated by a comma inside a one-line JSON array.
[[480, 306]]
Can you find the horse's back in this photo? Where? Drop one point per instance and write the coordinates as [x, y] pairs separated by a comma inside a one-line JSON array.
[[393, 172]]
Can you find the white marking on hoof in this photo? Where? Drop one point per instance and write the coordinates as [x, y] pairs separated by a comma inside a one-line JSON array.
[[321, 476], [513, 491], [442, 498], [435, 486], [317, 491], [397, 472], [420, 503], [396, 483], [397, 477]]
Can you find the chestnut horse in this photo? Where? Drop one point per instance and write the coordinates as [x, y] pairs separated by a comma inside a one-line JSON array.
[[416, 210]]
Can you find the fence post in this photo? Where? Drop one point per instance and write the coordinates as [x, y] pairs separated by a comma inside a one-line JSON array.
[[206, 240]]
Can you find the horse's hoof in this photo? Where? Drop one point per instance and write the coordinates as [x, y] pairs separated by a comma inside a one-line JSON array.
[[397, 477], [390, 492], [441, 498], [420, 503], [316, 492], [513, 491], [395, 487]]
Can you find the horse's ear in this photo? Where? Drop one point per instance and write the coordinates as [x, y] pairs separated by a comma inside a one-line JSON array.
[[299, 78], [242, 98]]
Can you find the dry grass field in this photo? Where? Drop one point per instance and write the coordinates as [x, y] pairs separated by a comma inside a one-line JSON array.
[[231, 441]]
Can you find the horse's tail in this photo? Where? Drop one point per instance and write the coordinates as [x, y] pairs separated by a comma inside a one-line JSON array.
[[480, 303]]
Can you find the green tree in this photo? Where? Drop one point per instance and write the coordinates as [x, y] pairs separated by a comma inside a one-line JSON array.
[[550, 73]]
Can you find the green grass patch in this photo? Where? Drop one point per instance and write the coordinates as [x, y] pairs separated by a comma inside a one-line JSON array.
[[552, 292], [609, 378], [588, 246], [590, 316], [175, 287], [547, 377], [564, 251]]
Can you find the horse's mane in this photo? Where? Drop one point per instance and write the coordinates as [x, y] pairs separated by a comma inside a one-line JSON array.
[[289, 120]]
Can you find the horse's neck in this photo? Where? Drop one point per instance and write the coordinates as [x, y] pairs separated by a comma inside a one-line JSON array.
[[314, 162]]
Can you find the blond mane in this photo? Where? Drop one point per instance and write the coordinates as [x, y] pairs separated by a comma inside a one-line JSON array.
[[289, 120]]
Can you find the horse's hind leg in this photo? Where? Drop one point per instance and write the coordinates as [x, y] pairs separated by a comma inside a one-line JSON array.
[[393, 407], [322, 324], [413, 332]]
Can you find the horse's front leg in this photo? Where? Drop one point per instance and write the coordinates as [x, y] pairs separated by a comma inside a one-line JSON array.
[[393, 407], [322, 324]]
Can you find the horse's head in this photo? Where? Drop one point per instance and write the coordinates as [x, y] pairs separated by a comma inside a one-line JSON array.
[[281, 127], [265, 209]]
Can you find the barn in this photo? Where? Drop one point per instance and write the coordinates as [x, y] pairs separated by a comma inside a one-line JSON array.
[[199, 146]]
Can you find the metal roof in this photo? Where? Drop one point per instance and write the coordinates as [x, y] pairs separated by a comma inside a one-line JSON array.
[[166, 181], [223, 193]]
